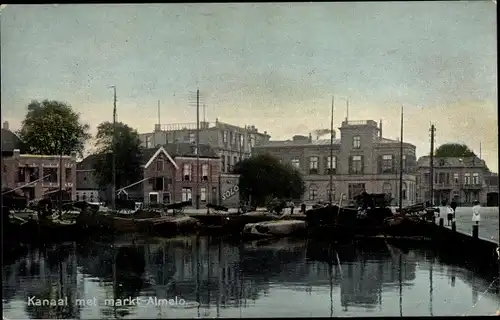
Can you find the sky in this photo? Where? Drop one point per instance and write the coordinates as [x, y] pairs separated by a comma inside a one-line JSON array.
[[275, 66]]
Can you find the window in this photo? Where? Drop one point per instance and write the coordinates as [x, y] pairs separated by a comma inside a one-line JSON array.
[[235, 160], [192, 137], [204, 172], [252, 141], [356, 142], [467, 178], [224, 137], [313, 165], [427, 177], [229, 166], [186, 194], [442, 162], [232, 136], [77, 197], [313, 192], [214, 195], [186, 172], [21, 175], [355, 189], [223, 163], [456, 178], [148, 142], [405, 194], [356, 165], [158, 184], [203, 194], [68, 174], [331, 166], [50, 175], [404, 162], [475, 178], [441, 177], [159, 165], [84, 196], [33, 173], [387, 188], [387, 163], [242, 141], [296, 163]]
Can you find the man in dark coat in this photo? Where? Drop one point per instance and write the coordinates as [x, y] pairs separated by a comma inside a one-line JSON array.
[[453, 205]]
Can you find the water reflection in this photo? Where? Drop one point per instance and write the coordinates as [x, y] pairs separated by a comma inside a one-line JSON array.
[[217, 279]]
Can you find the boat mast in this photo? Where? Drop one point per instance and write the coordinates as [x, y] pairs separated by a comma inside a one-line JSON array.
[[330, 197], [401, 166], [113, 165]]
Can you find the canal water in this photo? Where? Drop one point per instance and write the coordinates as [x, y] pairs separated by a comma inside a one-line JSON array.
[[191, 277]]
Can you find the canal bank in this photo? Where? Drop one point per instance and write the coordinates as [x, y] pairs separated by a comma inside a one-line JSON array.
[[220, 279]]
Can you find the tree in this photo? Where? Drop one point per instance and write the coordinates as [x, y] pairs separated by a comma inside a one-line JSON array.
[[128, 155], [454, 150], [263, 176], [52, 127]]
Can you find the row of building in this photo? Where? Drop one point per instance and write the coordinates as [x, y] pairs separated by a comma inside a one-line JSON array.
[[362, 160]]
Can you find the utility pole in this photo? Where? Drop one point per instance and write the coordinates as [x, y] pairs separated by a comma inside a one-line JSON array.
[[60, 175], [431, 164], [197, 149], [330, 197], [401, 166], [113, 165]]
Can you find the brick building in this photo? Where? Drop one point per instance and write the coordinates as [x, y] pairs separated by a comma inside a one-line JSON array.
[[231, 143], [38, 175], [461, 179], [362, 159], [169, 175]]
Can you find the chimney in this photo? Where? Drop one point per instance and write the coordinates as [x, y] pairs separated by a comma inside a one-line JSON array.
[[310, 137], [6, 125], [380, 130]]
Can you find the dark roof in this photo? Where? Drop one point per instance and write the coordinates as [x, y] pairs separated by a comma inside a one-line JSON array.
[[181, 150], [173, 149], [11, 141], [451, 162], [88, 162]]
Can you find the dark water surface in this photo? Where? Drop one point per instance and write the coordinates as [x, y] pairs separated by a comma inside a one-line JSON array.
[[206, 277]]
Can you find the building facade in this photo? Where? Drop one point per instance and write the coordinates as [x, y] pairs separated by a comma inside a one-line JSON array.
[[461, 179], [231, 143], [170, 175], [39, 175], [362, 160]]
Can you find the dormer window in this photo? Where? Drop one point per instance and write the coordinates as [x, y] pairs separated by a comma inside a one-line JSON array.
[[192, 137], [356, 142], [442, 162]]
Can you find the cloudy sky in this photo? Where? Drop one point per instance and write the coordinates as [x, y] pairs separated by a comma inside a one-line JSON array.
[[272, 65]]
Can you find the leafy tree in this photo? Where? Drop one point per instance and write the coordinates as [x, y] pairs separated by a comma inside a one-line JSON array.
[[454, 150], [127, 153], [263, 176], [52, 127]]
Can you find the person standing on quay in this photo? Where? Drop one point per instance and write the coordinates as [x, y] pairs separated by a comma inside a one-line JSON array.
[[476, 212], [454, 205]]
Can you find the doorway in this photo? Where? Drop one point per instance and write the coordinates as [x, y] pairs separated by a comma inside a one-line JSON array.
[[166, 197], [153, 197]]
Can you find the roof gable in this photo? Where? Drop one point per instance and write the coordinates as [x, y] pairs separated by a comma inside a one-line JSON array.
[[161, 150]]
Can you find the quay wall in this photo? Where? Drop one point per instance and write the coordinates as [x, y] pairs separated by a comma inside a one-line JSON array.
[[479, 252]]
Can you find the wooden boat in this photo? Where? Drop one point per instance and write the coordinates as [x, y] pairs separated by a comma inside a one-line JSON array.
[[273, 229], [347, 222], [230, 223]]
